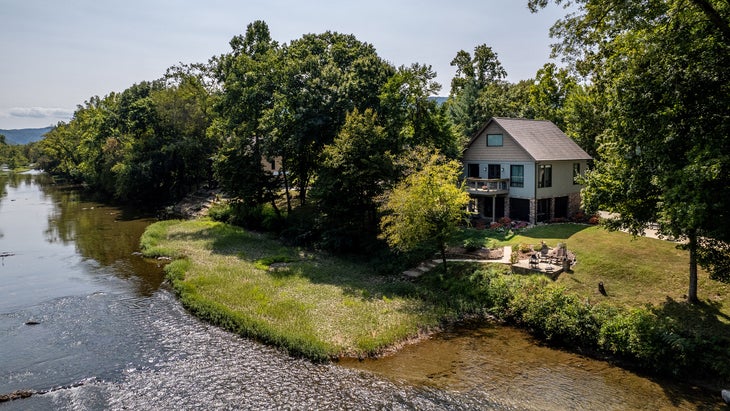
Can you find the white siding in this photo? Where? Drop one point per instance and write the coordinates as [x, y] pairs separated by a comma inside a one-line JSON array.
[[562, 183], [509, 151]]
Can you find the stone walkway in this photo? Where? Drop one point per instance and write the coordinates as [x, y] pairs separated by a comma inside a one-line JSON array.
[[428, 265]]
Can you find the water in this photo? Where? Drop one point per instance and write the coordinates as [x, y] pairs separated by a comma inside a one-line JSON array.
[[110, 335]]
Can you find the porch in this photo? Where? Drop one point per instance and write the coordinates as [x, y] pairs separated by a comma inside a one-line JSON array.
[[487, 186]]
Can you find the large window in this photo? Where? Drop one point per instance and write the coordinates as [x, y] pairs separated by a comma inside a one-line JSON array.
[[545, 176], [576, 173], [517, 176], [494, 140]]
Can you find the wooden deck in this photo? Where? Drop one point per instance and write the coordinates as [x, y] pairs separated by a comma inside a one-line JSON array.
[[487, 186]]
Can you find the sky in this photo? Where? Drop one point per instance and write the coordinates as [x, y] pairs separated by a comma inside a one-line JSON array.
[[55, 55]]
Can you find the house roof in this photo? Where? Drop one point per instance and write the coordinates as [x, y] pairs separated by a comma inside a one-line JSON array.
[[542, 139]]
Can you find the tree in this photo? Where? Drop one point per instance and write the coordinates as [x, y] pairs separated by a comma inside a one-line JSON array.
[[664, 158], [475, 76], [426, 205], [411, 117], [549, 93], [356, 169], [320, 78], [248, 86], [482, 69], [584, 114]]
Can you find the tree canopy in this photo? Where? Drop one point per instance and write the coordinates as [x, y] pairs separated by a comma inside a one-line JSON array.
[[661, 67], [427, 205]]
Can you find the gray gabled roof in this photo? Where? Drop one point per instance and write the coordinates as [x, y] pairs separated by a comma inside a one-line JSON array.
[[542, 139]]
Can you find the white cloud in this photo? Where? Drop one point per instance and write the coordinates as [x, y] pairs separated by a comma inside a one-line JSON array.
[[40, 112], [32, 117]]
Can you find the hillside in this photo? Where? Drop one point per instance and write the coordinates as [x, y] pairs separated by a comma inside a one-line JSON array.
[[24, 135]]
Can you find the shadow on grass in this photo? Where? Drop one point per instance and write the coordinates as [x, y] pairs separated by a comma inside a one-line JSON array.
[[559, 231]]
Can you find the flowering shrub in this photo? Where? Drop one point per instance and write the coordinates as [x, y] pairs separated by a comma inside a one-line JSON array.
[[504, 221], [579, 217]]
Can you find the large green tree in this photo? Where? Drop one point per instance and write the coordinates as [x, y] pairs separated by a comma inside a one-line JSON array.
[[356, 169], [476, 75], [248, 85], [320, 78], [425, 206], [409, 114], [549, 93], [664, 153]]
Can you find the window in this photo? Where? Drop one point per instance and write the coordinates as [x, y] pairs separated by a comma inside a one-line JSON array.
[[473, 170], [517, 176], [545, 176], [494, 140], [576, 173]]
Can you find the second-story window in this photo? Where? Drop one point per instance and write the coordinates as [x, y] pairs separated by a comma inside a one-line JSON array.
[[545, 176], [494, 140], [517, 176]]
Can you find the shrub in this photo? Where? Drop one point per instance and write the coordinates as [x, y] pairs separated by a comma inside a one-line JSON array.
[[651, 341], [504, 221], [525, 248], [473, 244], [220, 212]]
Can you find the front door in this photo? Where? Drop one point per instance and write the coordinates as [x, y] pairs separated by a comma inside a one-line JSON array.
[[494, 171]]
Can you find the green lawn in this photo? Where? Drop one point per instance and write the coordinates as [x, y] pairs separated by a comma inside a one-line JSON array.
[[635, 270], [310, 304]]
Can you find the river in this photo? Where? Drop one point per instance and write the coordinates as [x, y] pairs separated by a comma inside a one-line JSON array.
[[88, 324]]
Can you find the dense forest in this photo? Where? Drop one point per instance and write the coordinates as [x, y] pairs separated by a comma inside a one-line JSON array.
[[644, 89]]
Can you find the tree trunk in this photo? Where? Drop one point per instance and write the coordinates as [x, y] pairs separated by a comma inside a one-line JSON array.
[[443, 257], [692, 293], [286, 187]]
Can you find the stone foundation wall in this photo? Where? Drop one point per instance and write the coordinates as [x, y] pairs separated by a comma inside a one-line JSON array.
[[573, 203]]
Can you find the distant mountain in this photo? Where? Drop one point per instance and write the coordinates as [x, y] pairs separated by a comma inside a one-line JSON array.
[[439, 100], [24, 135]]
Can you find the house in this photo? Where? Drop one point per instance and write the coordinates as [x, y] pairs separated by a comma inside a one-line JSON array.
[[523, 169]]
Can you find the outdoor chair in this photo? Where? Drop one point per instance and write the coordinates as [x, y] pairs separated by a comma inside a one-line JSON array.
[[534, 261]]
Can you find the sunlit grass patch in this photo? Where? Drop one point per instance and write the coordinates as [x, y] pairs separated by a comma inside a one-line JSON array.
[[321, 307]]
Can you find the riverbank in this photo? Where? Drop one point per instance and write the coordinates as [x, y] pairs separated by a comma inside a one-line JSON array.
[[322, 307], [309, 304]]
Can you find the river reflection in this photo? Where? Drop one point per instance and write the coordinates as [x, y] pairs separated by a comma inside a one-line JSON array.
[[111, 336]]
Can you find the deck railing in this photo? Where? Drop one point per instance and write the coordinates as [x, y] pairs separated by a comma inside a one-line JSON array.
[[487, 185]]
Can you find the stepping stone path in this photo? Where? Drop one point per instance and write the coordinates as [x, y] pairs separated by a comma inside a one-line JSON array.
[[428, 265]]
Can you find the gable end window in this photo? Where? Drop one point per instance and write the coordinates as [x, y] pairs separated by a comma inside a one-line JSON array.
[[517, 176], [545, 176], [494, 140]]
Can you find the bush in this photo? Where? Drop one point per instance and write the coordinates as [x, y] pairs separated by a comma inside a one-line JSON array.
[[643, 337], [220, 212], [525, 248], [473, 244]]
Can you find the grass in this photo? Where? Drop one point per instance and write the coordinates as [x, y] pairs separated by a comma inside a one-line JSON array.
[[318, 306], [635, 270], [323, 307]]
